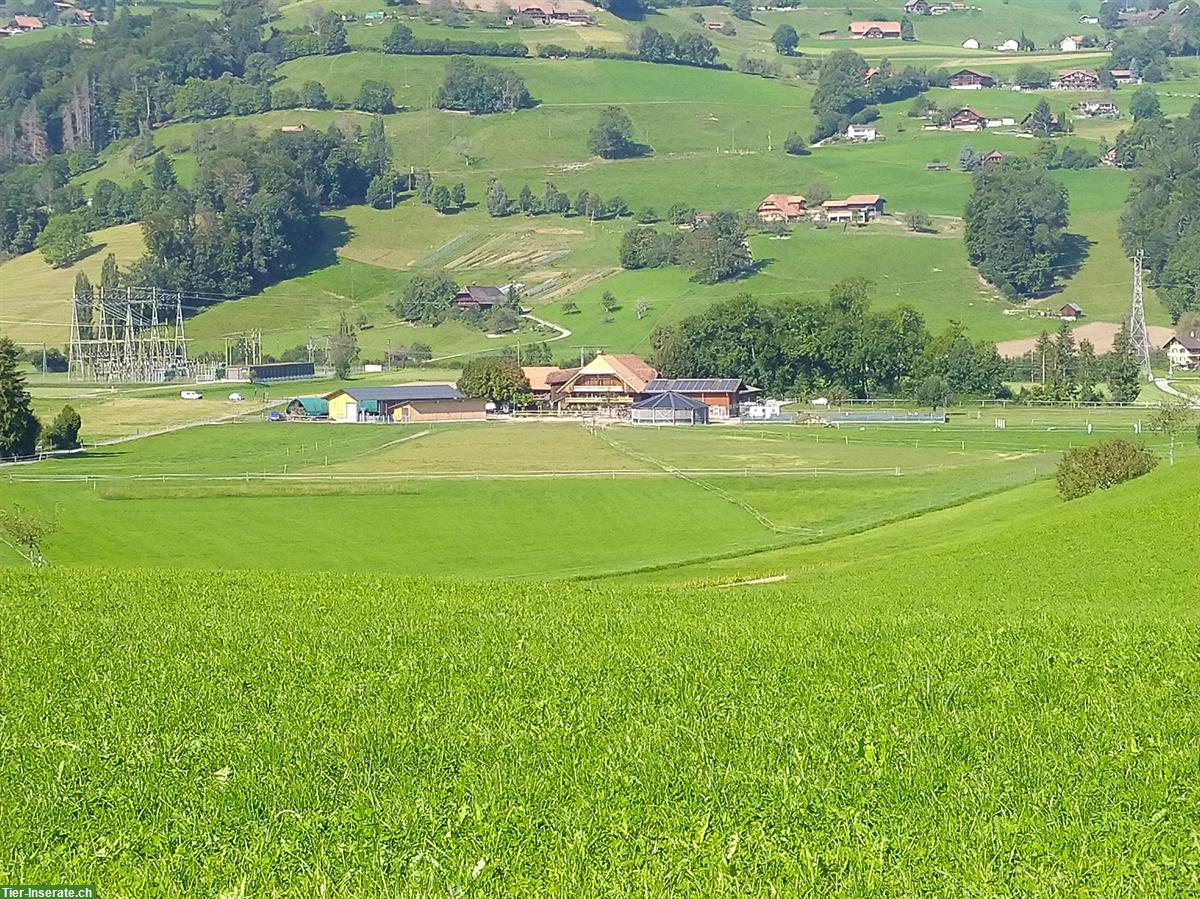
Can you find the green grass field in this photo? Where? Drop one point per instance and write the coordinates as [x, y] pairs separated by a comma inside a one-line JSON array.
[[988, 705], [161, 500]]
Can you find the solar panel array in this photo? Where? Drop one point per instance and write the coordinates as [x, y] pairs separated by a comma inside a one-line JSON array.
[[694, 385]]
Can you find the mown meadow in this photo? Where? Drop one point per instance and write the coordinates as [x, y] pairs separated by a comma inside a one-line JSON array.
[[532, 500], [1001, 711]]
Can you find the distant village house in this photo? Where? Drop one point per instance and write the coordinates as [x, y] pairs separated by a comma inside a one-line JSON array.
[[1078, 80], [857, 209], [473, 296], [781, 208], [1183, 352], [874, 30], [967, 119], [970, 80]]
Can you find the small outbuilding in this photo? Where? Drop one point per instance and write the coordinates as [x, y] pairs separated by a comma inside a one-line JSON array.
[[669, 408], [1070, 313]]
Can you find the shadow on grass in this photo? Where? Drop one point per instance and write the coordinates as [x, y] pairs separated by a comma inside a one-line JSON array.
[[1075, 250]]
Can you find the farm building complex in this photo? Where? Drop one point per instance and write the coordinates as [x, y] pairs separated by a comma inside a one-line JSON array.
[[413, 403]]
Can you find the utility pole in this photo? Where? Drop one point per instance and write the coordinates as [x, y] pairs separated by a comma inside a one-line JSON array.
[[1139, 337]]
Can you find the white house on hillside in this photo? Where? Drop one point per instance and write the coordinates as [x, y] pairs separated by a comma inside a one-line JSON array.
[[860, 132], [1009, 46], [970, 44]]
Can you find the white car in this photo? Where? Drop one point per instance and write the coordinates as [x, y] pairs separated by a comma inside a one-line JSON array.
[[191, 395], [236, 397]]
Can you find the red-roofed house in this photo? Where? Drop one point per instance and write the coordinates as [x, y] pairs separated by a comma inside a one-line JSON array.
[[26, 23], [874, 30], [781, 208]]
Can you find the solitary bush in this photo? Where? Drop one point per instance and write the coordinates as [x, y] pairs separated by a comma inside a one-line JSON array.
[[1103, 465]]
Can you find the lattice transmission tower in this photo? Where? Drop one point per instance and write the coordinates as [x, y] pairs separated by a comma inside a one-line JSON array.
[[1139, 336]]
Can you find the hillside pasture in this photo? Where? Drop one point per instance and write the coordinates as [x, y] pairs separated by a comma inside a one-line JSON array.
[[35, 299]]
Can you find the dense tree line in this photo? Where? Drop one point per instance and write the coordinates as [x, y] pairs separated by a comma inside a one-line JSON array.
[[843, 90], [552, 201], [1015, 221], [799, 348], [252, 215], [1162, 212], [689, 49], [401, 42]]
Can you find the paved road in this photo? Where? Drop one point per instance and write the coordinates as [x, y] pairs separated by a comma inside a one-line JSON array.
[[1165, 386]]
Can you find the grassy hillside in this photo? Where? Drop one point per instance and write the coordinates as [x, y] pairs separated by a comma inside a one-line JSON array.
[[35, 299], [717, 143], [996, 711]]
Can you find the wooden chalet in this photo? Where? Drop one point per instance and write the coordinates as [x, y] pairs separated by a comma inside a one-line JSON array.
[[1124, 76], [611, 380], [473, 296], [1078, 80], [970, 80], [917, 7], [967, 119], [26, 23], [1070, 312], [993, 157], [782, 208], [874, 31]]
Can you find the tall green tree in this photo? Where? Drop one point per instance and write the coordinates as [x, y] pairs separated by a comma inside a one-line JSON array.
[[785, 40], [494, 378], [1041, 121], [63, 433], [83, 298], [426, 298], [64, 239], [1015, 220], [1124, 371], [1066, 364], [162, 173], [110, 275], [19, 427], [1145, 105], [612, 135], [377, 152]]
